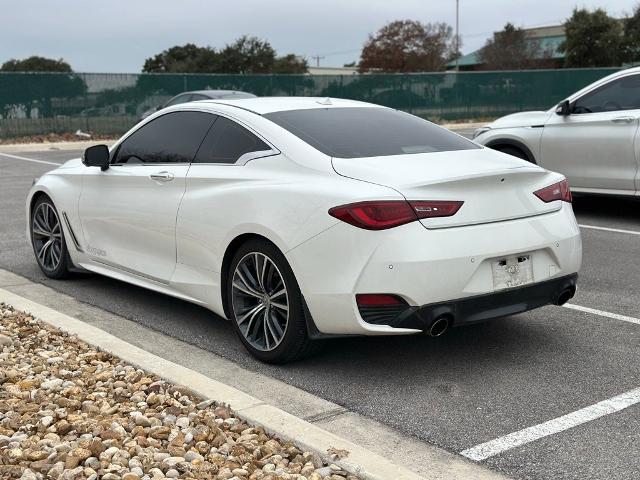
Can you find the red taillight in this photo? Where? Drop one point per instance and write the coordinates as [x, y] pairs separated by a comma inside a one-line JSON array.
[[557, 191], [377, 299], [379, 215]]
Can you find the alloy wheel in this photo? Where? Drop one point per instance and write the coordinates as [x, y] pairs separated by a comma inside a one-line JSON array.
[[260, 301], [47, 236]]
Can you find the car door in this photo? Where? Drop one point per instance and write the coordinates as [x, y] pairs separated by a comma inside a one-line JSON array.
[[216, 184], [596, 145], [128, 212]]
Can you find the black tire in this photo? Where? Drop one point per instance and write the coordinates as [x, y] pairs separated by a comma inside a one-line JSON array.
[[513, 151], [57, 266], [294, 344]]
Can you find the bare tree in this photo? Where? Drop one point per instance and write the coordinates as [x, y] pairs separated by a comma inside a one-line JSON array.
[[408, 46]]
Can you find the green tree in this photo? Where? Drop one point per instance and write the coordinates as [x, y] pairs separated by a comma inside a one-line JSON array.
[[187, 58], [593, 39], [632, 36], [408, 46], [248, 55], [290, 64], [35, 64], [511, 49]]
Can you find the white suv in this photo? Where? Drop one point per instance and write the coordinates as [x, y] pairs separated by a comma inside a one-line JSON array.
[[591, 137]]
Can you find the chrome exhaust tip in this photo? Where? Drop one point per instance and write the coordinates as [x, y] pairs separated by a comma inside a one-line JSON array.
[[439, 326]]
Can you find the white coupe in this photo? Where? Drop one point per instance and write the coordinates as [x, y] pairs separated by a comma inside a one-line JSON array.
[[303, 218], [591, 137]]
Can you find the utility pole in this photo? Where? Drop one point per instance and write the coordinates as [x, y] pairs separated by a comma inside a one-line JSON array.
[[457, 34], [317, 59]]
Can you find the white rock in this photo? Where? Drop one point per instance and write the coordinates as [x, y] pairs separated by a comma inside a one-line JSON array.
[[46, 421], [109, 452], [52, 384], [28, 475], [160, 456], [182, 422], [141, 421], [190, 456]]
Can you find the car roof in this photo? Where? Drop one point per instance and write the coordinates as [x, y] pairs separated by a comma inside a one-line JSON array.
[[264, 105], [213, 93]]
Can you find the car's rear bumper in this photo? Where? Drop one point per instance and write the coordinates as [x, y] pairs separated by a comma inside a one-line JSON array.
[[482, 307], [425, 267]]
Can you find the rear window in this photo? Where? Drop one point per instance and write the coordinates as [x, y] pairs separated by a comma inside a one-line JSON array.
[[367, 132]]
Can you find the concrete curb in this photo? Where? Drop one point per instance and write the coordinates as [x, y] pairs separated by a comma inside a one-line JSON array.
[[307, 436]]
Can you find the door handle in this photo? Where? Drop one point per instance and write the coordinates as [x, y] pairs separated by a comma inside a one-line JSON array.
[[162, 176], [623, 119]]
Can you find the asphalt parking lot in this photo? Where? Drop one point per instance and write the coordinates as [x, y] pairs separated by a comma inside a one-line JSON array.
[[497, 382]]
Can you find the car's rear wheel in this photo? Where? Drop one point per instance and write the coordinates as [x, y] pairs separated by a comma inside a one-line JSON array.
[[47, 239], [266, 305], [513, 151]]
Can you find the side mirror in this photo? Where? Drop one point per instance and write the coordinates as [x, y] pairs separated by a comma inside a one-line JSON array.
[[96, 156], [563, 108]]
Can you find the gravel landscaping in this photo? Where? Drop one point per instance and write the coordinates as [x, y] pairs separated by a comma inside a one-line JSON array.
[[69, 411]]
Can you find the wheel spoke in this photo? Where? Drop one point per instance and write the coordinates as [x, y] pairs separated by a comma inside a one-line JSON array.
[[280, 306], [265, 322], [245, 289], [275, 325], [39, 222], [54, 253], [260, 270], [247, 277], [278, 293], [250, 314], [43, 251], [37, 230]]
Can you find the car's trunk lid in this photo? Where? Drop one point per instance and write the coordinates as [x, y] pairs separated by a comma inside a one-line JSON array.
[[493, 186]]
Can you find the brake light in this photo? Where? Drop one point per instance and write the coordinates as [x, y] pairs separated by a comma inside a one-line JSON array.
[[557, 191], [380, 215]]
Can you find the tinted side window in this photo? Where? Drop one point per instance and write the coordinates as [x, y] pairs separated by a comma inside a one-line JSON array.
[[197, 96], [227, 141], [621, 94], [171, 138]]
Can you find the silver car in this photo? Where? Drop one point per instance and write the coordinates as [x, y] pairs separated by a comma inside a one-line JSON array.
[[591, 137]]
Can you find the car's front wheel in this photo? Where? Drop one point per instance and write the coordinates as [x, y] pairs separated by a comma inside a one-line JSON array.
[[47, 239], [266, 305]]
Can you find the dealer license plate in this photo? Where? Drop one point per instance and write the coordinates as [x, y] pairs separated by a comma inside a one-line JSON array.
[[512, 271]]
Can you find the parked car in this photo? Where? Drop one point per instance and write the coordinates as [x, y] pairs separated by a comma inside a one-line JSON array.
[[302, 218], [199, 95], [591, 137]]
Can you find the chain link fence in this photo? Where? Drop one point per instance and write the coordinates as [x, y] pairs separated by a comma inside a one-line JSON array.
[[104, 103]]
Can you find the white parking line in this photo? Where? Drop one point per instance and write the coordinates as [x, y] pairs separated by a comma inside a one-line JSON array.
[[26, 159], [602, 313], [607, 229], [560, 424]]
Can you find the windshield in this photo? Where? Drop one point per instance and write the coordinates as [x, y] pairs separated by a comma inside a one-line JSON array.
[[367, 132]]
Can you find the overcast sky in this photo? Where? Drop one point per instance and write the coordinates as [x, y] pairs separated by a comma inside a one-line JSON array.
[[117, 35]]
